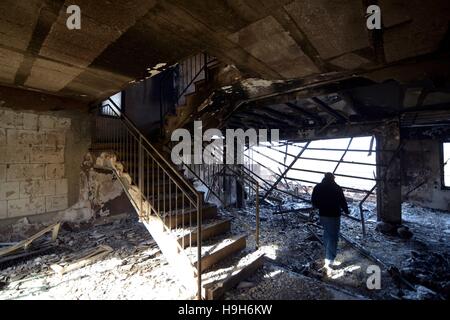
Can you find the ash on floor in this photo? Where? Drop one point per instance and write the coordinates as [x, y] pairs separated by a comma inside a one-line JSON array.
[[134, 270], [292, 245]]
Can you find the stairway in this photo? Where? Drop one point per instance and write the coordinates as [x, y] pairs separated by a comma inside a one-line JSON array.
[[199, 79], [170, 208]]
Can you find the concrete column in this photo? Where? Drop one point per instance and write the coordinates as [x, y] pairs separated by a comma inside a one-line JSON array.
[[389, 190]]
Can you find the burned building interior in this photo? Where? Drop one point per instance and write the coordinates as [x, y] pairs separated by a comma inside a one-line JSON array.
[[92, 205]]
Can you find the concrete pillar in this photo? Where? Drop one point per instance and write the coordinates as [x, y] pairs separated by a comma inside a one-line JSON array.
[[389, 189]]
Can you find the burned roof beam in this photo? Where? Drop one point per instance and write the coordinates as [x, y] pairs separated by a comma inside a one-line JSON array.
[[247, 123], [236, 124], [277, 114], [329, 110], [295, 90], [308, 114], [266, 117]]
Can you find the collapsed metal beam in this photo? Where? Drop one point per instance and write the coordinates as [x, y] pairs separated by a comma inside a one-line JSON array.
[[314, 171], [315, 182], [278, 190], [325, 160], [264, 117], [286, 171], [343, 155]]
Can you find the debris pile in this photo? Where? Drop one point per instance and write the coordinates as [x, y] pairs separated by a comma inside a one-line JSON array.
[[430, 273], [114, 260], [117, 259], [32, 246], [291, 240]]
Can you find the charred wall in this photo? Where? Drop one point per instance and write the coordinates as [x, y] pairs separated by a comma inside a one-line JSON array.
[[422, 174]]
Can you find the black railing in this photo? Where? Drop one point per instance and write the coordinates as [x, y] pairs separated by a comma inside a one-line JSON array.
[[179, 81]]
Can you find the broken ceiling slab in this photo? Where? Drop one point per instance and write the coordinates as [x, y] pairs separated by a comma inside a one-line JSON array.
[[9, 64], [102, 24], [413, 28], [270, 43], [333, 27], [17, 22], [273, 40], [350, 61], [50, 76]]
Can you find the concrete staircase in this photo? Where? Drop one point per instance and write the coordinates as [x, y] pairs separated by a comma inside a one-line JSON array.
[[173, 224]]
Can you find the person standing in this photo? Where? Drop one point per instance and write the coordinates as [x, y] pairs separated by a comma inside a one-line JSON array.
[[329, 198]]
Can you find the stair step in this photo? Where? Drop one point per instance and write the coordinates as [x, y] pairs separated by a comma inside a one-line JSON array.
[[149, 175], [158, 186], [134, 163], [220, 280], [110, 146], [218, 250], [157, 181], [175, 219], [209, 230], [169, 201]]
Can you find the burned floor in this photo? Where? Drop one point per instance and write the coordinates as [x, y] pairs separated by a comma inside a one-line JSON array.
[[415, 268], [175, 150]]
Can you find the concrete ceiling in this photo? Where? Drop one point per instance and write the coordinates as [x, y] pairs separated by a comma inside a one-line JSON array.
[[273, 39]]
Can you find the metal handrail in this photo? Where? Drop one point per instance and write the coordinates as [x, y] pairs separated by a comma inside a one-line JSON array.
[[242, 173], [204, 68], [144, 139], [141, 157], [203, 182], [246, 177], [257, 215]]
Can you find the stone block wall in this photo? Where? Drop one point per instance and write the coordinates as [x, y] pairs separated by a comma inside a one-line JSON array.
[[32, 163]]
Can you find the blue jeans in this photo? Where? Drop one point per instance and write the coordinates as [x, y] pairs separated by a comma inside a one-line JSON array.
[[331, 227]]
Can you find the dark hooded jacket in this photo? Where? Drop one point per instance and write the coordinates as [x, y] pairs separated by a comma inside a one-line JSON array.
[[329, 198]]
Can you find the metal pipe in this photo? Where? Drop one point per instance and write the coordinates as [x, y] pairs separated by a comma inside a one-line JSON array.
[[257, 215], [199, 248], [141, 174]]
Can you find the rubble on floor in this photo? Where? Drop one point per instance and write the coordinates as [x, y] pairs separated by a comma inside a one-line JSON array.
[[292, 242], [277, 283], [134, 268]]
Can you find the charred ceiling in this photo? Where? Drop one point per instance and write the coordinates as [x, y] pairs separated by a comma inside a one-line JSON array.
[[118, 41]]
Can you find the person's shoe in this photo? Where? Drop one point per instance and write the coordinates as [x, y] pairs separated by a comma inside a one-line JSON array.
[[335, 263], [326, 269], [326, 265]]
